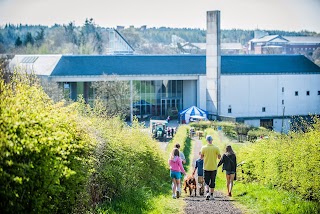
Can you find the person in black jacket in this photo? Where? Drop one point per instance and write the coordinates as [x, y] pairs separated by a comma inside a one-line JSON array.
[[229, 162]]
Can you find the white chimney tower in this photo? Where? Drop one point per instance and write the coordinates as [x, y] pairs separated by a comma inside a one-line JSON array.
[[213, 62]]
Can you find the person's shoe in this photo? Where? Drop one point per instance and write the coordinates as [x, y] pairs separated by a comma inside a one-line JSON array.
[[178, 194], [174, 197], [230, 194], [208, 196], [211, 196]]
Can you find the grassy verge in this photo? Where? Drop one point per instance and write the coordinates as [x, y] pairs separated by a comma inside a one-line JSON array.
[[257, 198]]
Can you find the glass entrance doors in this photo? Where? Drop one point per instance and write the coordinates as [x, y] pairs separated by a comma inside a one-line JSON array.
[[170, 105]]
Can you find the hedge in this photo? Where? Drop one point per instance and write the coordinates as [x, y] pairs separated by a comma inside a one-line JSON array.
[[43, 151], [57, 158], [289, 161]]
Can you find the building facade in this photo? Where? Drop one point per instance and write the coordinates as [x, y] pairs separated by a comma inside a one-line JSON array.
[[259, 90], [276, 44]]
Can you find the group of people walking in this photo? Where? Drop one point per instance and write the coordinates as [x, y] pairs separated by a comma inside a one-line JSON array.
[[206, 165]]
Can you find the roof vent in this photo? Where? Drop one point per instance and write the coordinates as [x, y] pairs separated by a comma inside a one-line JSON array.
[[29, 59]]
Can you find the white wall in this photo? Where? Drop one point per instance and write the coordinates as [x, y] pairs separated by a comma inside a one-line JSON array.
[[255, 123], [202, 92], [247, 94], [277, 125], [189, 93]]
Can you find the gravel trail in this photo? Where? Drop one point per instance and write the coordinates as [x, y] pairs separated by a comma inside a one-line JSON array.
[[198, 204]]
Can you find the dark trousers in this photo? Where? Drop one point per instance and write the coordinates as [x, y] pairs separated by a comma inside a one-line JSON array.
[[210, 178]]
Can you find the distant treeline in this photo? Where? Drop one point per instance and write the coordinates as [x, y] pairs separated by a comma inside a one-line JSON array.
[[92, 39]]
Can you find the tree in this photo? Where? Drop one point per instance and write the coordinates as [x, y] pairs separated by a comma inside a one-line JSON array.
[[4, 67], [98, 46], [115, 95], [18, 42], [70, 33], [52, 89], [39, 37], [29, 39]]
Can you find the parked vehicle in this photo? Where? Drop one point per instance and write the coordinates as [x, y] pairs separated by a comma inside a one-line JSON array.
[[159, 129]]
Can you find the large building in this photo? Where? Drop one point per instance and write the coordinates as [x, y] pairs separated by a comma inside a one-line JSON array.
[[266, 90], [271, 44]]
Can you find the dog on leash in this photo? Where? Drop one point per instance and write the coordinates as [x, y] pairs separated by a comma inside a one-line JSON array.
[[190, 182]]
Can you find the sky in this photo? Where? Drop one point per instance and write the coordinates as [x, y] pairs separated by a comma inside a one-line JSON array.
[[289, 15]]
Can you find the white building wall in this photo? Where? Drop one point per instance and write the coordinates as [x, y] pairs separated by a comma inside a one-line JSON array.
[[255, 123], [189, 93], [247, 94], [277, 125], [201, 92]]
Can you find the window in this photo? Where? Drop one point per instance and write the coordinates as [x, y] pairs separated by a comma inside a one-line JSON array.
[[318, 92], [296, 93], [282, 102], [282, 89], [308, 93], [263, 109], [229, 110]]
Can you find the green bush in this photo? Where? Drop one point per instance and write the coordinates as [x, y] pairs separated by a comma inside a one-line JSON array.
[[130, 169], [73, 159], [257, 133], [43, 151], [228, 128], [181, 137], [201, 125], [289, 162]]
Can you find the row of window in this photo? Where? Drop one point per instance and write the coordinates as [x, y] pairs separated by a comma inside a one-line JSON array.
[[293, 49], [296, 93], [263, 109]]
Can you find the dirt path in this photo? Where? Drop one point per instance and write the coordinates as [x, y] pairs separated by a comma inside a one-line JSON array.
[[198, 204]]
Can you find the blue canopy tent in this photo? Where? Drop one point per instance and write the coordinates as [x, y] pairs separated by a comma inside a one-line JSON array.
[[185, 114]]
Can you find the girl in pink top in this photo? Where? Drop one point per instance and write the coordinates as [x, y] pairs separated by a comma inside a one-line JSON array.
[[176, 168]]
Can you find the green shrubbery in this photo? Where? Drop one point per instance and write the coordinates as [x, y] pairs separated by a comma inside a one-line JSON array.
[[258, 133], [43, 151], [227, 127], [289, 162], [201, 125], [130, 169], [64, 159]]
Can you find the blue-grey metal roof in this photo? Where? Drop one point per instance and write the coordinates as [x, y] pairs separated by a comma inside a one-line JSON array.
[[182, 65], [131, 65], [267, 64]]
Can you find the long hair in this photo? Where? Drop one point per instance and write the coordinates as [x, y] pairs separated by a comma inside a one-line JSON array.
[[174, 153], [229, 150]]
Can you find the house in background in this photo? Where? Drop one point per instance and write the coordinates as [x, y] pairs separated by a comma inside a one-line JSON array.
[[117, 44], [276, 44], [302, 44], [200, 48]]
